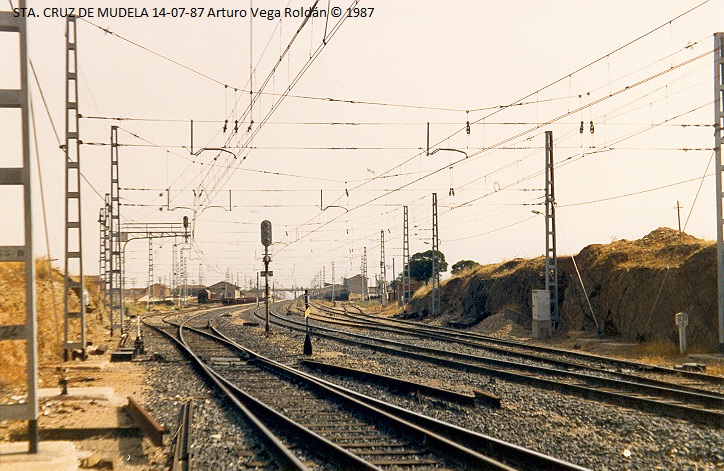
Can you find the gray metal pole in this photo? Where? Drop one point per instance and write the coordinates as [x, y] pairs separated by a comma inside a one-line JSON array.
[[718, 143], [266, 287], [435, 294], [74, 320], [551, 253], [333, 301]]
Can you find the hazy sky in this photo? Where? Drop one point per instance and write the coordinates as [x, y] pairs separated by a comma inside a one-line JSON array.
[[409, 63]]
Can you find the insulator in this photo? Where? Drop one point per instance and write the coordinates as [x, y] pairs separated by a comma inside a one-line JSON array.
[[591, 127], [580, 130], [236, 125], [467, 127], [226, 121]]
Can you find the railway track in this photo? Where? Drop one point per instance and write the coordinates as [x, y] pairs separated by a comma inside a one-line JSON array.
[[670, 400], [694, 382], [581, 361], [329, 426]]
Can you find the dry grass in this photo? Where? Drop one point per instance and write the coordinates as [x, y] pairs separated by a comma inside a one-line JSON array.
[[49, 312]]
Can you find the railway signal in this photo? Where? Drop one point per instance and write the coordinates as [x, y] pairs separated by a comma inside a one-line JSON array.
[[266, 241], [307, 338], [266, 233]]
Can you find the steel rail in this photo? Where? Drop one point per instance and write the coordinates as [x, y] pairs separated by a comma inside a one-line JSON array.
[[451, 450], [448, 434], [621, 398], [565, 364], [182, 449], [280, 453], [553, 350]]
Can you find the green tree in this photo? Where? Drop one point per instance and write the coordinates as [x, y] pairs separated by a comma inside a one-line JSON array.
[[463, 265], [421, 265]]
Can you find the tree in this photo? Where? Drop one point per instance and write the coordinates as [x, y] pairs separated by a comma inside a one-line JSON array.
[[463, 265], [421, 265]]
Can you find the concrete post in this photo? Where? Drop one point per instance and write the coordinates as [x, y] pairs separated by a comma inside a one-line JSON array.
[[682, 320]]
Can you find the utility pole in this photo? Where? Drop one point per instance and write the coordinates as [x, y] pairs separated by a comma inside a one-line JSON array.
[[406, 284], [365, 290], [150, 290], [174, 270], [551, 255], [20, 178], [75, 321], [102, 254], [257, 289], [718, 144], [678, 208], [334, 302], [436, 304], [107, 258], [383, 270], [115, 287], [394, 278]]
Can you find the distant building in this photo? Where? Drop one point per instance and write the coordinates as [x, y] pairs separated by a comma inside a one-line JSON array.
[[224, 290], [157, 292], [357, 286]]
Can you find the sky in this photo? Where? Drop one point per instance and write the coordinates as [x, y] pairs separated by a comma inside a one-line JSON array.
[[338, 142]]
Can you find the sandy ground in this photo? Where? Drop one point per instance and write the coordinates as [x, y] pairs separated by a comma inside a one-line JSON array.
[[97, 399]]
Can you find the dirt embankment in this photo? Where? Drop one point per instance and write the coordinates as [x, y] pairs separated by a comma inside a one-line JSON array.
[[49, 312], [634, 288]]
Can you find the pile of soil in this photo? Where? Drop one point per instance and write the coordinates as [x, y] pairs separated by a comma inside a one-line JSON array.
[[634, 288]]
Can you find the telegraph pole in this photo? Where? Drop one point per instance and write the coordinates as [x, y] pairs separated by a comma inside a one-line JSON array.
[[678, 208], [436, 307], [551, 256]]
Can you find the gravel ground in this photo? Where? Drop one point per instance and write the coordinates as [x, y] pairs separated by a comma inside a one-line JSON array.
[[587, 433]]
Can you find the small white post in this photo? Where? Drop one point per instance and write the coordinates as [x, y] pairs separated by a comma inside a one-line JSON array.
[[682, 320]]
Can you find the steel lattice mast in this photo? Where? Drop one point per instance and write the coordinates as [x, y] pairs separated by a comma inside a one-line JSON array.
[[74, 328]]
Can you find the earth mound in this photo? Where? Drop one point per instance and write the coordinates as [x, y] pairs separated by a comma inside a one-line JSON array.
[[627, 289]]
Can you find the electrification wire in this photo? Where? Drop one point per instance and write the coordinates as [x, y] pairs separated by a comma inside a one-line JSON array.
[[52, 125], [676, 248], [648, 190], [509, 139], [289, 88], [607, 56], [253, 100]]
